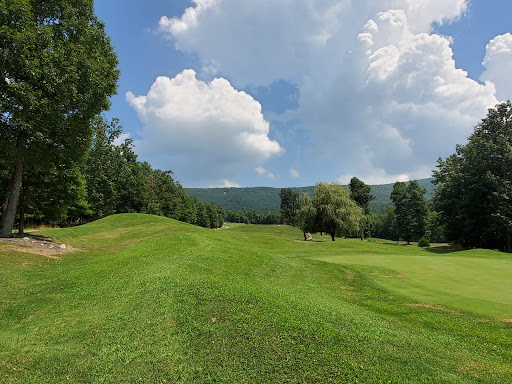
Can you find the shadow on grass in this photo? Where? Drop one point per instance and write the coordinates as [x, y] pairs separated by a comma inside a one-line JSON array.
[[32, 236], [442, 249], [438, 249]]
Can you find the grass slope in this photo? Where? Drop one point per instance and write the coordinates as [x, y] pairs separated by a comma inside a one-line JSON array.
[[266, 198], [149, 299]]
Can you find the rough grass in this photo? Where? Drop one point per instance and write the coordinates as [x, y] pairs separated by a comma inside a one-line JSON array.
[[148, 299]]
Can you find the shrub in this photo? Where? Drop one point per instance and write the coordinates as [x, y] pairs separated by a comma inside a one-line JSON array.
[[423, 242]]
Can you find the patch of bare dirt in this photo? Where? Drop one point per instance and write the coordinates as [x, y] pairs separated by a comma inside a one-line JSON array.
[[400, 275], [37, 246], [506, 320], [430, 306]]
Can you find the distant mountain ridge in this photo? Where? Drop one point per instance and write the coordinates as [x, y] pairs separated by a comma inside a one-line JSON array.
[[267, 198]]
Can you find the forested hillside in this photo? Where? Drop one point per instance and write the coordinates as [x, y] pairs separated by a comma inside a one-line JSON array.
[[266, 198]]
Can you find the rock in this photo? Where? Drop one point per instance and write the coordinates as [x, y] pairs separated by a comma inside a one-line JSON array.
[[308, 237], [25, 238], [62, 246]]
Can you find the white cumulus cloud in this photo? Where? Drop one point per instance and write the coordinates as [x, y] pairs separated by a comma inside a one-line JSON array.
[[379, 95], [498, 65], [204, 131]]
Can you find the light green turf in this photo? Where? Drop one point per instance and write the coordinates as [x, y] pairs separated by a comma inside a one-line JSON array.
[[476, 281], [148, 299]]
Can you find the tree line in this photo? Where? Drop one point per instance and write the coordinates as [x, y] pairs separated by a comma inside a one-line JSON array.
[[107, 180], [251, 216]]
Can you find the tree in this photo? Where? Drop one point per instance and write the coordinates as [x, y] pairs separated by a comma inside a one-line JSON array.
[[330, 210], [102, 167], [289, 205], [53, 195], [474, 185], [360, 193], [410, 209], [57, 71], [385, 224], [307, 216]]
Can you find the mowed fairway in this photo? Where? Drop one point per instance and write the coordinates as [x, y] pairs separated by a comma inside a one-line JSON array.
[[148, 299]]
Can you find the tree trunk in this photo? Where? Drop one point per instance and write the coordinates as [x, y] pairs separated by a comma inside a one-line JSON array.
[[332, 236], [362, 234], [21, 224], [13, 194], [305, 238], [508, 246]]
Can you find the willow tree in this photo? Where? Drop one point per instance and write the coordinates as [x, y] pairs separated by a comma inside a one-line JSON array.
[[57, 71], [307, 217], [330, 210]]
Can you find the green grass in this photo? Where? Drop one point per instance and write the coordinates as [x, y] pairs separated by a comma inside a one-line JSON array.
[[148, 299]]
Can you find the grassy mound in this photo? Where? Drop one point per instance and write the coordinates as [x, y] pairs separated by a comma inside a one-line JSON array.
[[149, 299]]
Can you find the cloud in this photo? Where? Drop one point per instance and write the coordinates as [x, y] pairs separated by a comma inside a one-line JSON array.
[[204, 131], [260, 41], [226, 184], [379, 94], [294, 173], [265, 172], [498, 65], [120, 140]]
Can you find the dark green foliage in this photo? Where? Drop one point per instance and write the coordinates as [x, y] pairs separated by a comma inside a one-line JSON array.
[[253, 217], [289, 205], [435, 229], [203, 220], [423, 242], [54, 196], [474, 193], [410, 209], [385, 226], [360, 193]]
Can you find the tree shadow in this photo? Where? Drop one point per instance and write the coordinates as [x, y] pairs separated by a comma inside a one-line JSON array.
[[442, 249], [34, 237]]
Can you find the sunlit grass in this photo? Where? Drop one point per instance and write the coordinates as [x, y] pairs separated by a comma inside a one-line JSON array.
[[148, 299]]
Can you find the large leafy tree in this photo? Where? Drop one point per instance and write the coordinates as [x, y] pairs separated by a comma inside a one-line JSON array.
[[307, 216], [474, 185], [410, 209], [360, 193], [57, 71], [330, 210]]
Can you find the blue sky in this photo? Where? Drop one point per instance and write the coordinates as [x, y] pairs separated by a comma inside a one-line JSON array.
[[262, 93]]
